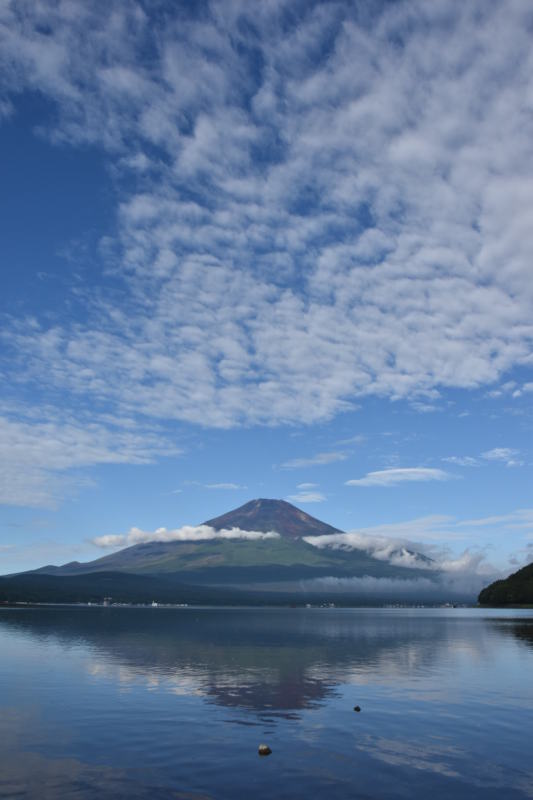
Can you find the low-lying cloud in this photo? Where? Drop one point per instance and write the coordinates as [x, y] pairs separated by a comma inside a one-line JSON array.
[[437, 588], [394, 551], [368, 584], [459, 574], [188, 533]]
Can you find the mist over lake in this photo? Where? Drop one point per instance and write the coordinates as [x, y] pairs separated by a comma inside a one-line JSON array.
[[158, 703]]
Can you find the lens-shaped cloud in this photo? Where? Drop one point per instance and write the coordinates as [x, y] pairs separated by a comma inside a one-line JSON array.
[[393, 476]]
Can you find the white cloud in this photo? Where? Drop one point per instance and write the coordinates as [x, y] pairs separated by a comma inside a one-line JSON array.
[[188, 533], [307, 486], [447, 542], [384, 232], [394, 551], [306, 497], [423, 544], [447, 585], [507, 388], [394, 476], [521, 519], [45, 456], [499, 454], [318, 460], [224, 486], [358, 439], [216, 486], [505, 454], [462, 461]]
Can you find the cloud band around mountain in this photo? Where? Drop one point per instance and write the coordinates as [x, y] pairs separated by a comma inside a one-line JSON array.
[[187, 533]]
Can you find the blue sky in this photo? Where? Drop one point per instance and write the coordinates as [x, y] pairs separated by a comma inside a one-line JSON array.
[[267, 249]]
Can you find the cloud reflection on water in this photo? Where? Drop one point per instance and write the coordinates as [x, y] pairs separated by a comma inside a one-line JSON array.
[[273, 660], [179, 699]]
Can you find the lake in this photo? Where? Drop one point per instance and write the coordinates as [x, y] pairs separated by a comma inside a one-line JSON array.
[[173, 703]]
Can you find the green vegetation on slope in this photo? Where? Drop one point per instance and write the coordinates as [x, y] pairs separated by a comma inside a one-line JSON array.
[[236, 556], [515, 590], [234, 552]]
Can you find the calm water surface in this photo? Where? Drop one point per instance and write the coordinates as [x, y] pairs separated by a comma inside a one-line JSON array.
[[173, 703]]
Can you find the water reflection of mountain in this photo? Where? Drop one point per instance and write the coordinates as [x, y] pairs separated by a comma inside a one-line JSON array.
[[270, 660]]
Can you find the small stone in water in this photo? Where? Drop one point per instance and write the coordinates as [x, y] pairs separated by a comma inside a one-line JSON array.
[[357, 708], [264, 750]]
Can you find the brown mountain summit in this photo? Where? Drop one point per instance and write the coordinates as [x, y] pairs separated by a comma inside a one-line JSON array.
[[272, 515]]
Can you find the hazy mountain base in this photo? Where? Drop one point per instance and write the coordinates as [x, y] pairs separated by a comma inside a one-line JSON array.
[[119, 586], [170, 588]]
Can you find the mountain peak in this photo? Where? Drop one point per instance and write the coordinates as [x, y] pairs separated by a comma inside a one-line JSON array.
[[264, 514]]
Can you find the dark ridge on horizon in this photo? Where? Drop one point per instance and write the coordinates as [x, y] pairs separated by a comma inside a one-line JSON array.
[[515, 590]]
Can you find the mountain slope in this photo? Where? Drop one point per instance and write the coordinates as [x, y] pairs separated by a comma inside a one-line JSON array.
[[517, 589], [237, 561], [272, 515], [258, 515], [279, 563]]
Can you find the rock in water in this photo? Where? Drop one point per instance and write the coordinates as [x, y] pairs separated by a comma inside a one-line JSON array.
[[264, 750], [357, 708]]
